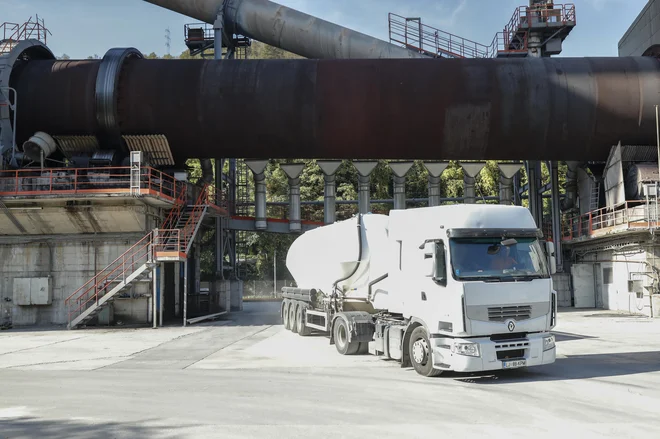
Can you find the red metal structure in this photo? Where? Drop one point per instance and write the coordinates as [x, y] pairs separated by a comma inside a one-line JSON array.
[[12, 33]]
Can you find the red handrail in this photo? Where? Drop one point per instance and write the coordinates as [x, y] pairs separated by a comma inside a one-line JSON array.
[[137, 255]]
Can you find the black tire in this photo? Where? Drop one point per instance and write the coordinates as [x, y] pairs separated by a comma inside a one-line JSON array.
[[340, 336], [292, 317], [419, 350], [302, 330], [285, 313]]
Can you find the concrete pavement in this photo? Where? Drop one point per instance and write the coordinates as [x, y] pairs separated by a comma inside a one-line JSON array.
[[247, 377]]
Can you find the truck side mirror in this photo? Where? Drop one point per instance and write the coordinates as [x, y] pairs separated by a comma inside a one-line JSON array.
[[440, 263], [428, 265], [550, 248]]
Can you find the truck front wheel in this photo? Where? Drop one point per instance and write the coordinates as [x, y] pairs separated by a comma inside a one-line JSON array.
[[340, 334], [420, 353]]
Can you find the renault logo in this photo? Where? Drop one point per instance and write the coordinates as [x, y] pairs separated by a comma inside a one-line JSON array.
[[511, 326]]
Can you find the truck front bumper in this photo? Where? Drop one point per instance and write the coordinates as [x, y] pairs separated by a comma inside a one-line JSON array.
[[493, 355]]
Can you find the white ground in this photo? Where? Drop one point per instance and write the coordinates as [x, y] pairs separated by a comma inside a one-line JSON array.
[[247, 377]]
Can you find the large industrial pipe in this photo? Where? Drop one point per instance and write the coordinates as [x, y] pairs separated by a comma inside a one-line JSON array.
[[542, 109], [287, 29]]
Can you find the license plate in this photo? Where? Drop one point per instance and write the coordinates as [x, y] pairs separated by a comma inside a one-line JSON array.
[[514, 364]]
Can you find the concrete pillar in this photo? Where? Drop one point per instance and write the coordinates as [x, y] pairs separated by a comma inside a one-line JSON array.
[[470, 172], [258, 167], [293, 171], [400, 171], [435, 172], [556, 214], [329, 169], [507, 172], [364, 184], [161, 279]]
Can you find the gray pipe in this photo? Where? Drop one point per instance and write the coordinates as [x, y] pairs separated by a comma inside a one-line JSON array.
[[435, 171], [329, 169], [293, 171], [288, 29], [364, 184], [470, 172], [400, 170], [258, 167], [507, 172]]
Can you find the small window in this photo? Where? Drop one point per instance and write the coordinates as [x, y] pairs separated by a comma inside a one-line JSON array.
[[400, 253], [607, 276]]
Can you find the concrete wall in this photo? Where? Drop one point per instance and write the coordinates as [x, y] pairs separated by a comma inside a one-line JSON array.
[[643, 33], [70, 261], [611, 273], [561, 282]]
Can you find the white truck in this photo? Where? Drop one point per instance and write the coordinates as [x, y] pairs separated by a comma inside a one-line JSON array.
[[462, 288]]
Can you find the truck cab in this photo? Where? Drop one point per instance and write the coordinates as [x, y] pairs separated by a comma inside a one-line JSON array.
[[478, 280]]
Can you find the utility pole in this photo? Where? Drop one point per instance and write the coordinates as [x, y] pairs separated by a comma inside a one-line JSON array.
[[275, 274], [168, 40]]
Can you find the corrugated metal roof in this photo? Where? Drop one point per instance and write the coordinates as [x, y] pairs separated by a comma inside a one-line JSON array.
[[77, 145], [156, 145], [635, 153]]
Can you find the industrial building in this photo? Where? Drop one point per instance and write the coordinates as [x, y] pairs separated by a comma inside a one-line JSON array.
[[101, 224]]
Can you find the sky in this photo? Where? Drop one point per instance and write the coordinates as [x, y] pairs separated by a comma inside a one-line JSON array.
[[82, 28]]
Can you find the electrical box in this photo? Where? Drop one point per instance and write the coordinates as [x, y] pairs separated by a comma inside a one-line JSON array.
[[33, 291], [635, 286]]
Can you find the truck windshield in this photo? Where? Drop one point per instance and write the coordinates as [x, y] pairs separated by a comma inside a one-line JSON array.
[[494, 259]]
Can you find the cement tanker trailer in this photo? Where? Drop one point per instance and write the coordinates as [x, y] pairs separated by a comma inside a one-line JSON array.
[[465, 288]]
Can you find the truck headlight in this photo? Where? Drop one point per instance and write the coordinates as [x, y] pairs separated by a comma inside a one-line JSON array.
[[469, 349], [548, 342]]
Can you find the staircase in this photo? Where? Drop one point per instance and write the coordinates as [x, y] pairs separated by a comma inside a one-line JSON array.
[[172, 242]]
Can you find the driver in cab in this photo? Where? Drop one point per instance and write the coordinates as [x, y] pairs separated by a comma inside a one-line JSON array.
[[502, 259]]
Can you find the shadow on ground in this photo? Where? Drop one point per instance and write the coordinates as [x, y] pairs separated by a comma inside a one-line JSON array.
[[573, 367], [30, 427]]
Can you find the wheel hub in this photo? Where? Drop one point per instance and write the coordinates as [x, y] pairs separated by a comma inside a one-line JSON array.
[[420, 351]]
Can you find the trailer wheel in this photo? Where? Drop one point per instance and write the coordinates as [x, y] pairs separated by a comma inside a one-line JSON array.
[[340, 335], [420, 353], [302, 329], [285, 313], [293, 326]]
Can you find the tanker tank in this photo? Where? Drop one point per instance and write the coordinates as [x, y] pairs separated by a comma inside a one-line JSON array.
[[334, 254]]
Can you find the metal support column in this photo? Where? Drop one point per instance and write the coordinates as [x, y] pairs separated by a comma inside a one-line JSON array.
[[400, 171], [507, 173], [258, 167], [517, 199], [219, 247], [154, 299], [329, 169], [556, 214], [218, 28], [435, 171], [533, 184], [161, 280], [185, 292], [364, 185], [293, 172], [177, 288], [470, 172]]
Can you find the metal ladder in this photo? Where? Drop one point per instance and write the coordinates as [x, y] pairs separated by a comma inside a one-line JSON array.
[[594, 200], [242, 209], [136, 160]]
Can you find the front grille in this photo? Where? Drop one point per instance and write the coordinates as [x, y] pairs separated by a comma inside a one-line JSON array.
[[503, 313], [510, 355], [513, 336]]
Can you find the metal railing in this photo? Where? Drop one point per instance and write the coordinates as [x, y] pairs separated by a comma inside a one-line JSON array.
[[12, 33], [412, 34], [79, 181], [624, 216], [117, 271]]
